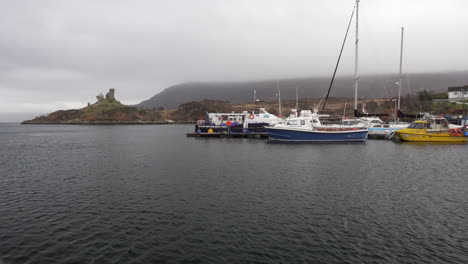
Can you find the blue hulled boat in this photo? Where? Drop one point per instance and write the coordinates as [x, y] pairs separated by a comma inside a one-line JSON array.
[[298, 135], [315, 128]]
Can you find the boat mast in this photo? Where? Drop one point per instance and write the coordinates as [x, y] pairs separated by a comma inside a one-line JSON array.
[[356, 77], [344, 111], [337, 62], [401, 63], [463, 100], [279, 99], [297, 100]]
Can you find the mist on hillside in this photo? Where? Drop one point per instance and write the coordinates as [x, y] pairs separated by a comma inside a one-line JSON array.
[[370, 86]]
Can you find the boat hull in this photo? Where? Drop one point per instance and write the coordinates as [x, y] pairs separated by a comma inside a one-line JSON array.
[[423, 136], [239, 128], [383, 132], [302, 135], [380, 133]]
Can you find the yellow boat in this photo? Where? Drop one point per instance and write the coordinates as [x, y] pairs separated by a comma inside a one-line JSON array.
[[435, 129]]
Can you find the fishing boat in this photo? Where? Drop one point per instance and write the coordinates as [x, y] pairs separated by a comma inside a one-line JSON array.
[[312, 127], [433, 129], [244, 122]]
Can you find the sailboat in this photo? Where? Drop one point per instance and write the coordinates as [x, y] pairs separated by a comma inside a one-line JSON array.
[[378, 128], [314, 127]]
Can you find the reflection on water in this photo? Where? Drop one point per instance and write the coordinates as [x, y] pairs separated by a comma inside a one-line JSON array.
[[431, 143]]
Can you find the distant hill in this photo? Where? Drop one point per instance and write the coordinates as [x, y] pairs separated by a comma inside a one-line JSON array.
[[370, 86]]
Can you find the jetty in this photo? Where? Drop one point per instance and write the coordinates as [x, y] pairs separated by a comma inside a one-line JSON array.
[[229, 135]]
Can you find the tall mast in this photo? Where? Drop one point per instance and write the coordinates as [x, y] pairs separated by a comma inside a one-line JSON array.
[[463, 100], [297, 100], [356, 77], [279, 99], [401, 63]]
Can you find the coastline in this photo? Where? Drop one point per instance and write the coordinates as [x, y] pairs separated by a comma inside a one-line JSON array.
[[109, 123]]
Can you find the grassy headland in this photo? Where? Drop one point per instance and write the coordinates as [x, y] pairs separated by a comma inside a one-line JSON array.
[[110, 111]]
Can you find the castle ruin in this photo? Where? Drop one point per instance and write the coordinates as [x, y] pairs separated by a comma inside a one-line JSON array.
[[109, 96], [100, 97]]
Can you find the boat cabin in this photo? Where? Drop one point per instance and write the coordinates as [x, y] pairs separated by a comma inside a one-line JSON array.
[[348, 122], [463, 121], [438, 123], [419, 125], [257, 116], [433, 124], [218, 119]]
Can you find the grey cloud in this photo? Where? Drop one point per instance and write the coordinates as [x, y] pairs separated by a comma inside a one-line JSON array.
[[68, 51]]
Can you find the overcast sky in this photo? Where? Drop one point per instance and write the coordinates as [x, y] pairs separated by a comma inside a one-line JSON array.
[[60, 54]]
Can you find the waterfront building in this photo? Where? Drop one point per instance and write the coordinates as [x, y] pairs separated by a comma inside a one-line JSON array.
[[458, 93]]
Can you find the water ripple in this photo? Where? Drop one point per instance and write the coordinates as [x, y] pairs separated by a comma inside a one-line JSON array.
[[131, 194]]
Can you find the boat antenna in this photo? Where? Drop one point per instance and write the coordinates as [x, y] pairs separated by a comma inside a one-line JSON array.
[[338, 61], [356, 77], [255, 96]]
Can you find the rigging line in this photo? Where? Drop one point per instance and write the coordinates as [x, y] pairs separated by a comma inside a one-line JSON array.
[[339, 57], [409, 92], [320, 101]]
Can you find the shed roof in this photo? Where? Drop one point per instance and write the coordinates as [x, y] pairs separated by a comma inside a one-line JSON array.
[[457, 89]]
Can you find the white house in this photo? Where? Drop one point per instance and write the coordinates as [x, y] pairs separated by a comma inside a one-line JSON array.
[[458, 93]]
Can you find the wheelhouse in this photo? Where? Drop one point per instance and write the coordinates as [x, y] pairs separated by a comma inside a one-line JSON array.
[[419, 125]]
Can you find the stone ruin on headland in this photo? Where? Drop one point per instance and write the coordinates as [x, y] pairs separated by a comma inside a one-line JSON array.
[[109, 96]]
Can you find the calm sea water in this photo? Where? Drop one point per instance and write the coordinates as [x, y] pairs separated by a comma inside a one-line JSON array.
[[148, 194]]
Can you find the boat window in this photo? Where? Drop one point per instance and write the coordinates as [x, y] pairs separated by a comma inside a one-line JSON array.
[[418, 125], [444, 123], [292, 122], [302, 122]]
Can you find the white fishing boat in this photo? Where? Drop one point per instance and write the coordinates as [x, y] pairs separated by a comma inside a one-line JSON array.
[[313, 127], [245, 122]]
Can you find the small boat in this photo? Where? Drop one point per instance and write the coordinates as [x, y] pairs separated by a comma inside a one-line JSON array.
[[434, 129], [462, 123], [380, 129], [309, 128]]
